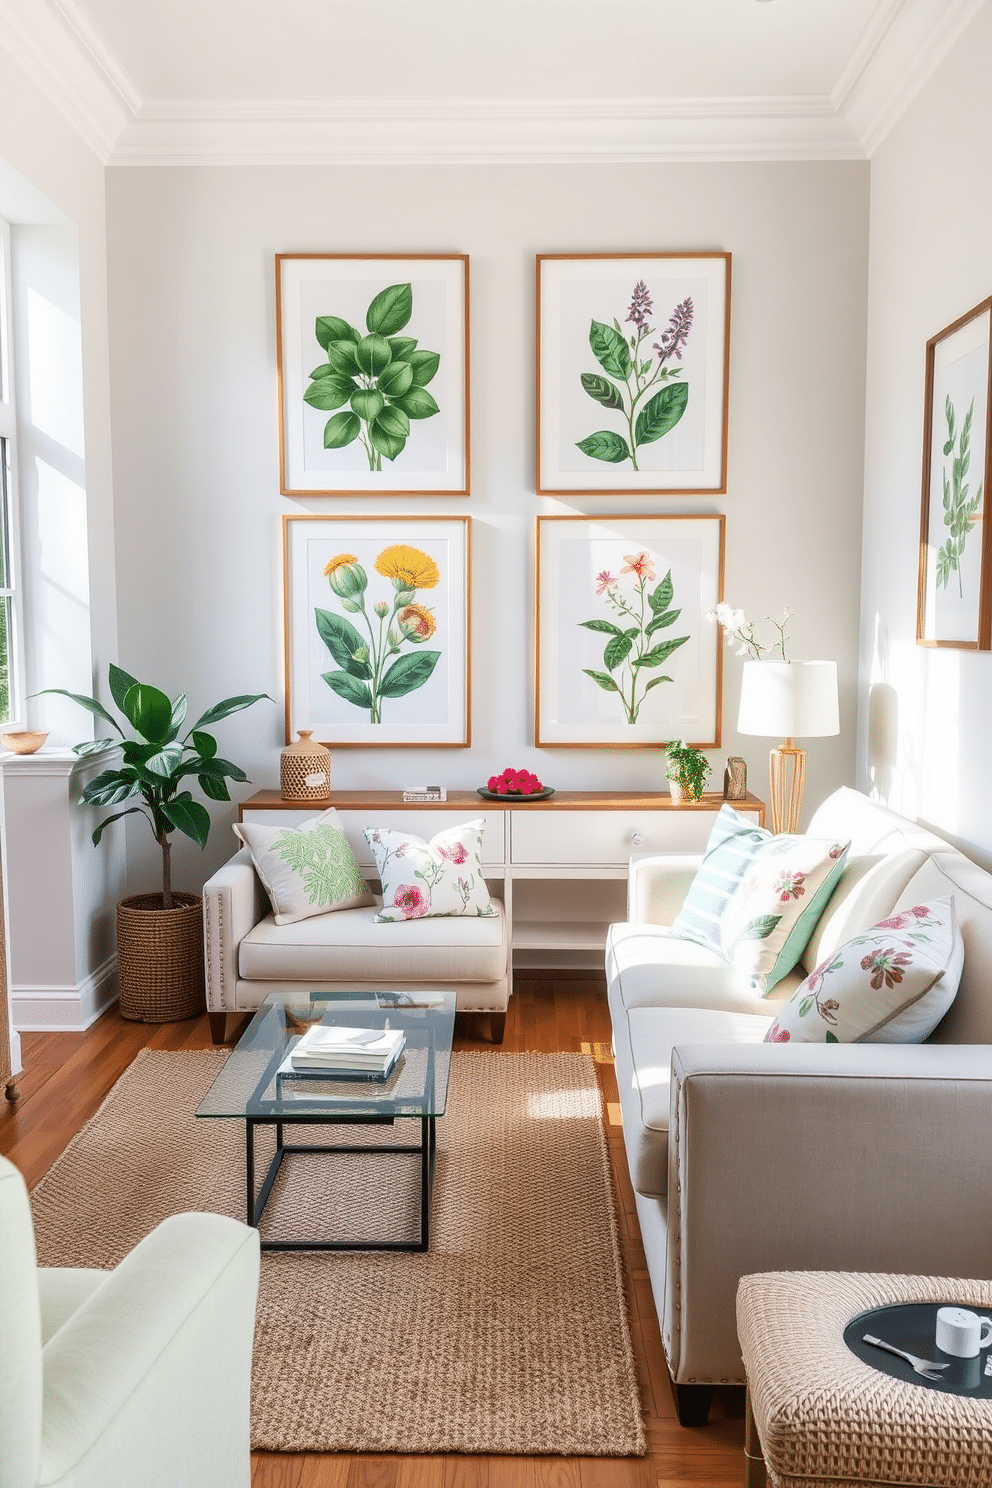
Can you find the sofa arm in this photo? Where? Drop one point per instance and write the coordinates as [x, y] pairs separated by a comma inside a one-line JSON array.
[[818, 1157], [233, 902], [149, 1380], [657, 884]]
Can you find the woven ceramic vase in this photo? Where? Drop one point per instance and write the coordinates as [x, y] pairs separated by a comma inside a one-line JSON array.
[[305, 770]]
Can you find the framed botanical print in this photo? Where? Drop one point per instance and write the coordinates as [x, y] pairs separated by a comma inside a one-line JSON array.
[[954, 607], [626, 657], [633, 366], [373, 374], [377, 630]]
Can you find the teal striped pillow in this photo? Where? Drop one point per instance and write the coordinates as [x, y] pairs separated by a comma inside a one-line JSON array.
[[757, 897]]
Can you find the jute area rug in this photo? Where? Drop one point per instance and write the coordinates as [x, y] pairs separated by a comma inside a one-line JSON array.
[[509, 1336]]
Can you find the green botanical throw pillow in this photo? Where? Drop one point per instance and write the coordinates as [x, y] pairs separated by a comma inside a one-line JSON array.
[[306, 870]]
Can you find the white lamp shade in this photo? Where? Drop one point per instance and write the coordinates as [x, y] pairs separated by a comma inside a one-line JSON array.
[[789, 699]]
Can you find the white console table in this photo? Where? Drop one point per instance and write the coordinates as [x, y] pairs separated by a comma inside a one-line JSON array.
[[560, 863]]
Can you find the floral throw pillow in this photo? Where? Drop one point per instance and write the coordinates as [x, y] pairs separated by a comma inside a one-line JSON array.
[[893, 984], [306, 870], [440, 877]]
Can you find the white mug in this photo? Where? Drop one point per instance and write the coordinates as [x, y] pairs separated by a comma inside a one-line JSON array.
[[962, 1333]]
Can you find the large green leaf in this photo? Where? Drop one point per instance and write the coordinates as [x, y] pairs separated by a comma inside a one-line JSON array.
[[342, 640], [188, 817], [214, 787], [661, 413], [330, 328], [617, 650], [367, 402], [109, 787], [418, 403], [661, 653], [407, 673], [349, 688], [397, 379], [374, 355], [343, 357], [425, 365], [605, 446], [610, 350], [341, 429], [661, 597], [394, 421], [390, 310], [330, 392], [204, 744], [92, 705], [603, 680], [166, 761], [662, 621], [606, 627], [149, 712], [602, 390], [384, 441], [656, 682], [179, 707], [108, 820], [401, 347], [92, 746], [121, 683], [230, 705]]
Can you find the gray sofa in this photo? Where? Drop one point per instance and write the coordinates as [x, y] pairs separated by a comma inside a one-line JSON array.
[[747, 1156]]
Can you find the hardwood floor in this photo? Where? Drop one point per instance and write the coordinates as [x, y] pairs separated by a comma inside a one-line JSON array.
[[67, 1075]]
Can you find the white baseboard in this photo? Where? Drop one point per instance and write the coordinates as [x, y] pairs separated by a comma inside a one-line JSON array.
[[64, 1009]]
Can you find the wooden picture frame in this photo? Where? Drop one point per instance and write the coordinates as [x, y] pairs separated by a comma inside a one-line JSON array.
[[378, 630], [954, 607], [633, 372], [373, 353], [626, 658]]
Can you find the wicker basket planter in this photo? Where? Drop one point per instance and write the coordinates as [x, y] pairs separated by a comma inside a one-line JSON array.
[[160, 958]]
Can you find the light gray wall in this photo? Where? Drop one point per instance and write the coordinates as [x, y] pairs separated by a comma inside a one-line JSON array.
[[923, 743], [191, 274]]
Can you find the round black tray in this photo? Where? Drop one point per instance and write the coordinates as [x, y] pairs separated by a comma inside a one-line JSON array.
[[541, 795], [912, 1326]]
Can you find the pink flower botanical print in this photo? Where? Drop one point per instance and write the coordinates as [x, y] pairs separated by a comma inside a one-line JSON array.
[[411, 901], [789, 885], [638, 639], [604, 581], [886, 967], [776, 1035], [455, 852]]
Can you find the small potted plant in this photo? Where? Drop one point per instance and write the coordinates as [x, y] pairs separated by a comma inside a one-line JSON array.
[[687, 772], [159, 936]]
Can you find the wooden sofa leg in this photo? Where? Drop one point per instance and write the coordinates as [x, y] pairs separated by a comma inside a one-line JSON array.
[[218, 1027], [497, 1026], [692, 1402]]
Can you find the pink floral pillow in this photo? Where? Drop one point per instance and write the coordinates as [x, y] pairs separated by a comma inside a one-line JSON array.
[[891, 985], [440, 877]]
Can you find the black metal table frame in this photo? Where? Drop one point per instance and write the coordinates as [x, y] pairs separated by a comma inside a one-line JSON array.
[[427, 1149]]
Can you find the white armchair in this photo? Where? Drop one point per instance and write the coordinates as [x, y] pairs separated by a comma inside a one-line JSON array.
[[138, 1376]]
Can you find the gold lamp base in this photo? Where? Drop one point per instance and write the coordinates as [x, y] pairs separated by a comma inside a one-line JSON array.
[[787, 781]]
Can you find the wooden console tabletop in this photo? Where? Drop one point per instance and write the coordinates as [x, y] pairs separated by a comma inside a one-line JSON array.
[[459, 800]]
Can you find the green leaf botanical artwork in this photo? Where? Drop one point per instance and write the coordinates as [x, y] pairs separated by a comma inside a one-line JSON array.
[[324, 861], [378, 380], [377, 668], [635, 646], [647, 395], [959, 509]]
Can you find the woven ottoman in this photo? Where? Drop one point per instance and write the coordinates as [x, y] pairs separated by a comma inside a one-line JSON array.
[[822, 1417]]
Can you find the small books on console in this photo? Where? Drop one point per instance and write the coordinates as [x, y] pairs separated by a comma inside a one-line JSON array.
[[332, 1049], [425, 793]]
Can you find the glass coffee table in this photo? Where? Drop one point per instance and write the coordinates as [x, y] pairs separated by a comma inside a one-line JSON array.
[[252, 1088]]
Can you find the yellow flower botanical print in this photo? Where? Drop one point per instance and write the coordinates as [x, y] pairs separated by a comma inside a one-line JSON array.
[[408, 568], [338, 562], [416, 623]]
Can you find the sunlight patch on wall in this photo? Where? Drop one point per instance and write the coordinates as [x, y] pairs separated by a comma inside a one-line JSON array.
[[53, 347], [939, 736]]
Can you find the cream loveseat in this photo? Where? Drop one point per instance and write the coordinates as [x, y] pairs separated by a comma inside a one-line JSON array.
[[747, 1156], [248, 955]]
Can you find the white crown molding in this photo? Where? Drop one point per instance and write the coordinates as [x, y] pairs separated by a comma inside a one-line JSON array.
[[37, 37], [501, 131], [904, 45], [98, 52]]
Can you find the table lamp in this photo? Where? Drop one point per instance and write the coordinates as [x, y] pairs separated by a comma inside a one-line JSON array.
[[794, 699]]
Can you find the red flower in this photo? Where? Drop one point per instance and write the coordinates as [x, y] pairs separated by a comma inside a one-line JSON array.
[[776, 1035], [410, 900], [456, 853]]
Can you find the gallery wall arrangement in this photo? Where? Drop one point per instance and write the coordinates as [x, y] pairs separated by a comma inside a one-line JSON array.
[[373, 383], [954, 607]]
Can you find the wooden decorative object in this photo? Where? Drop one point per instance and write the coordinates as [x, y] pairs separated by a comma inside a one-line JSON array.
[[735, 779], [305, 770]]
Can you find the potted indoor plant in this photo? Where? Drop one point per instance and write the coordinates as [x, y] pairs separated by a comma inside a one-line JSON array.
[[159, 936], [687, 771]]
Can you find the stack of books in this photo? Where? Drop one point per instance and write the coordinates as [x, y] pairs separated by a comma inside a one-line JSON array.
[[425, 793], [333, 1050]]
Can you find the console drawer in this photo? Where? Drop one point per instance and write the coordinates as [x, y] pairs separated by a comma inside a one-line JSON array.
[[605, 837]]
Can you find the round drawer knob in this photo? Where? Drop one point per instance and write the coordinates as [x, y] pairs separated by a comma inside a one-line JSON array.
[[637, 838]]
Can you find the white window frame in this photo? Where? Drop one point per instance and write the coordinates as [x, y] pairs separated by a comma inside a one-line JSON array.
[[8, 434]]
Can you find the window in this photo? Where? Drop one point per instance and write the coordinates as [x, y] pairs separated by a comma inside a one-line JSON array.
[[9, 678]]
